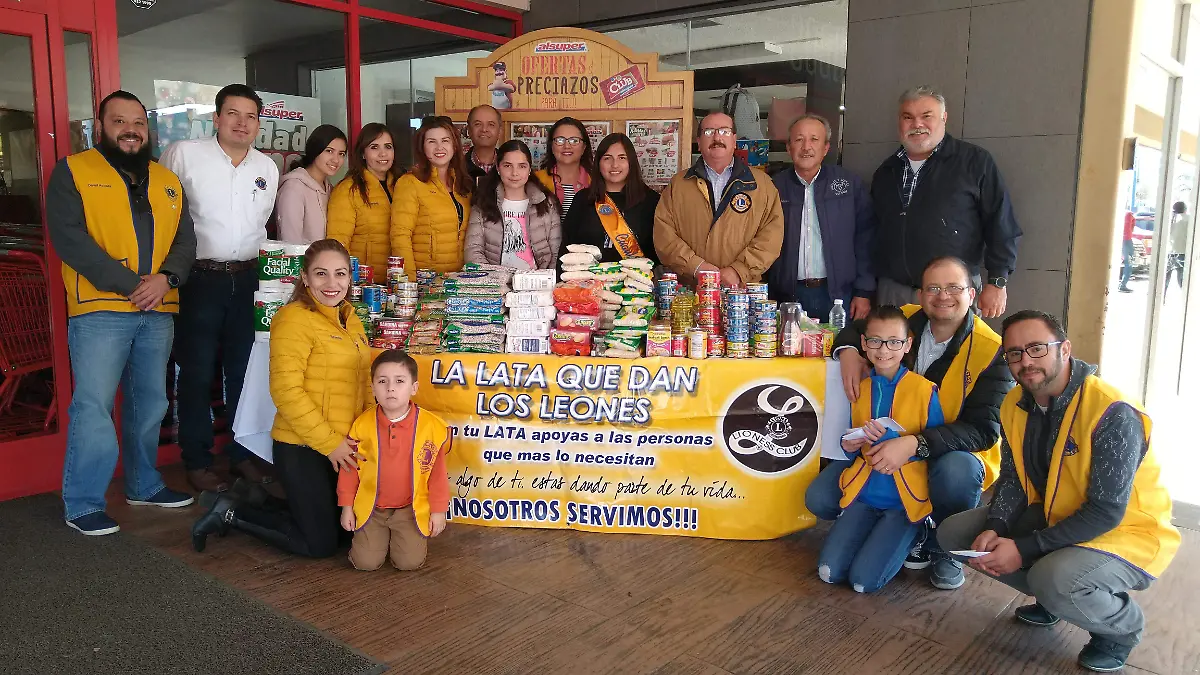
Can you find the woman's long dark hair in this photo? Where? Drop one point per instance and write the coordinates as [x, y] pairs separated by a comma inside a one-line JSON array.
[[585, 158], [635, 186], [358, 159], [318, 140], [485, 198], [423, 168]]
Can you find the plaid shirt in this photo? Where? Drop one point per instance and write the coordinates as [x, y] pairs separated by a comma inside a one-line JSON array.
[[909, 182]]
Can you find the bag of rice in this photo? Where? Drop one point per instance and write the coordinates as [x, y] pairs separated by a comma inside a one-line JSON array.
[[594, 251], [578, 259]]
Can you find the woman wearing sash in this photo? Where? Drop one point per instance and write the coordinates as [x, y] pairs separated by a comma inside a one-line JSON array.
[[514, 220], [615, 214]]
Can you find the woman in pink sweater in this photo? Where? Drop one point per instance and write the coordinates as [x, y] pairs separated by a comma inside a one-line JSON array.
[[304, 191]]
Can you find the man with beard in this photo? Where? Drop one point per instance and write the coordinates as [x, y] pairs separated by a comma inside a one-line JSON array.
[[828, 224], [121, 226], [231, 187], [721, 215], [940, 196], [483, 126], [959, 353], [1080, 516]]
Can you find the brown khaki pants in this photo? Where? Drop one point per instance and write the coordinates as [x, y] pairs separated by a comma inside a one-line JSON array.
[[389, 531]]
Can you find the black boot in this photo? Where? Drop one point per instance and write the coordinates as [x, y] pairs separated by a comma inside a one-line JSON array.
[[215, 521], [269, 535]]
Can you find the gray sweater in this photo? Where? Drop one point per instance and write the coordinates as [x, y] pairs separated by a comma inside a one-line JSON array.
[[1118, 445]]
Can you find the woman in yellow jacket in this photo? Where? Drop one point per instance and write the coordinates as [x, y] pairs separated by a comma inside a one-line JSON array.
[[360, 208], [433, 201], [320, 382]]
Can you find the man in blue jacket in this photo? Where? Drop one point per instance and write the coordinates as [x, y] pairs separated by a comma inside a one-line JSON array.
[[829, 225]]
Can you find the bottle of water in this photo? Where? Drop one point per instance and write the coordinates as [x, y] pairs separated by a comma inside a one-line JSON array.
[[837, 315]]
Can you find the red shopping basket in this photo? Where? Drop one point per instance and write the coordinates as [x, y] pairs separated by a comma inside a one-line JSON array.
[[25, 344]]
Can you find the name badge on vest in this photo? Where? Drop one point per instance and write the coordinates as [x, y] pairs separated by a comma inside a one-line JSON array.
[[428, 454], [260, 183], [840, 186], [171, 193], [741, 203]]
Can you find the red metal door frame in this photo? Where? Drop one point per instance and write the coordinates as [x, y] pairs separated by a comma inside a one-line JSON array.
[[29, 465]]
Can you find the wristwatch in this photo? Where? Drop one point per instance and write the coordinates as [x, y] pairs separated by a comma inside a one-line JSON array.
[[922, 447], [172, 279], [998, 282]]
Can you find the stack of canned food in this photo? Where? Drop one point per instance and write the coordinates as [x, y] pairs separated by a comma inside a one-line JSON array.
[[708, 311], [764, 322], [665, 290], [737, 323], [386, 310]]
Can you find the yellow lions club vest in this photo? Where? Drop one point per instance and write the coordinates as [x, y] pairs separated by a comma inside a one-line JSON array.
[[974, 356], [910, 409], [1145, 537], [431, 437], [109, 218]]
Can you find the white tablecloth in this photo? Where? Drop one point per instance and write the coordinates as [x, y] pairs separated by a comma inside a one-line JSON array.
[[256, 410]]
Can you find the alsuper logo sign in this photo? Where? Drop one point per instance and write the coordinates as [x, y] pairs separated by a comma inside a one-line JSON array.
[[560, 47], [278, 110]]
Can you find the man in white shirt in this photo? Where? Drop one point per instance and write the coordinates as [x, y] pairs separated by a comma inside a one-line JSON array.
[[230, 188], [828, 227]]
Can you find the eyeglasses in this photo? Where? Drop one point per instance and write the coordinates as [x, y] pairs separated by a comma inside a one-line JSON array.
[[563, 140], [1036, 350], [716, 131], [954, 290], [893, 344]]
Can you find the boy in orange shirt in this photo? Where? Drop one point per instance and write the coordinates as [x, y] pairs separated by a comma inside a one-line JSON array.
[[400, 494]]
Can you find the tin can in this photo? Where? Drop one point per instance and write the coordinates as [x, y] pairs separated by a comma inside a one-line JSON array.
[[708, 279], [697, 343], [395, 263], [658, 339], [679, 344], [354, 269], [366, 274], [756, 288], [372, 297], [670, 275], [716, 345], [355, 294], [707, 316]]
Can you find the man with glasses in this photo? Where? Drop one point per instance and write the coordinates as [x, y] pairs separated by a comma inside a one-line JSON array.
[[720, 215], [1080, 516], [941, 196], [959, 353]]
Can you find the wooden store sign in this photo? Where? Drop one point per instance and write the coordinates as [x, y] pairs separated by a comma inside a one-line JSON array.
[[541, 76]]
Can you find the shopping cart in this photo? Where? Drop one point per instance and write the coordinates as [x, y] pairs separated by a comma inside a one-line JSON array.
[[25, 344]]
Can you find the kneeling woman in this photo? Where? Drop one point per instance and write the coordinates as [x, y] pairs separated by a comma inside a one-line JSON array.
[[616, 213], [514, 220], [320, 382]]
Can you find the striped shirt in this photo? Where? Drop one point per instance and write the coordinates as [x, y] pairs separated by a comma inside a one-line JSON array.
[[568, 197]]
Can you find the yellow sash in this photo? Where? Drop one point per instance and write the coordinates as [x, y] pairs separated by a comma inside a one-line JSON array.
[[618, 230]]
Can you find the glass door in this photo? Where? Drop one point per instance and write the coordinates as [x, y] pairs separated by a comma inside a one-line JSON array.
[[29, 391]]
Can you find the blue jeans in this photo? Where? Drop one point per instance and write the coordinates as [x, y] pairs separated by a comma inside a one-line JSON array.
[[216, 320], [955, 485], [110, 349], [1126, 262], [866, 546], [817, 301]]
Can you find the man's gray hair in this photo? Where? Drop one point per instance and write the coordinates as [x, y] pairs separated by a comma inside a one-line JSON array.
[[921, 91], [816, 118]]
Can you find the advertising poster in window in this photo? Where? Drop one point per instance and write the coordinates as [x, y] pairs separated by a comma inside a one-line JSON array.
[[535, 136], [596, 132], [183, 110], [657, 144]]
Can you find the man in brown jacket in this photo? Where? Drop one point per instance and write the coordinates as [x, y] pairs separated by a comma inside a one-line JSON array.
[[740, 236]]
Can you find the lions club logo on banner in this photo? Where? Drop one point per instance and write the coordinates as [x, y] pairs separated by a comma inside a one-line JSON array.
[[770, 428]]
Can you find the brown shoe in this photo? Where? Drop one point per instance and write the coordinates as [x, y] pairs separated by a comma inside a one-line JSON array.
[[206, 479], [249, 470]]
